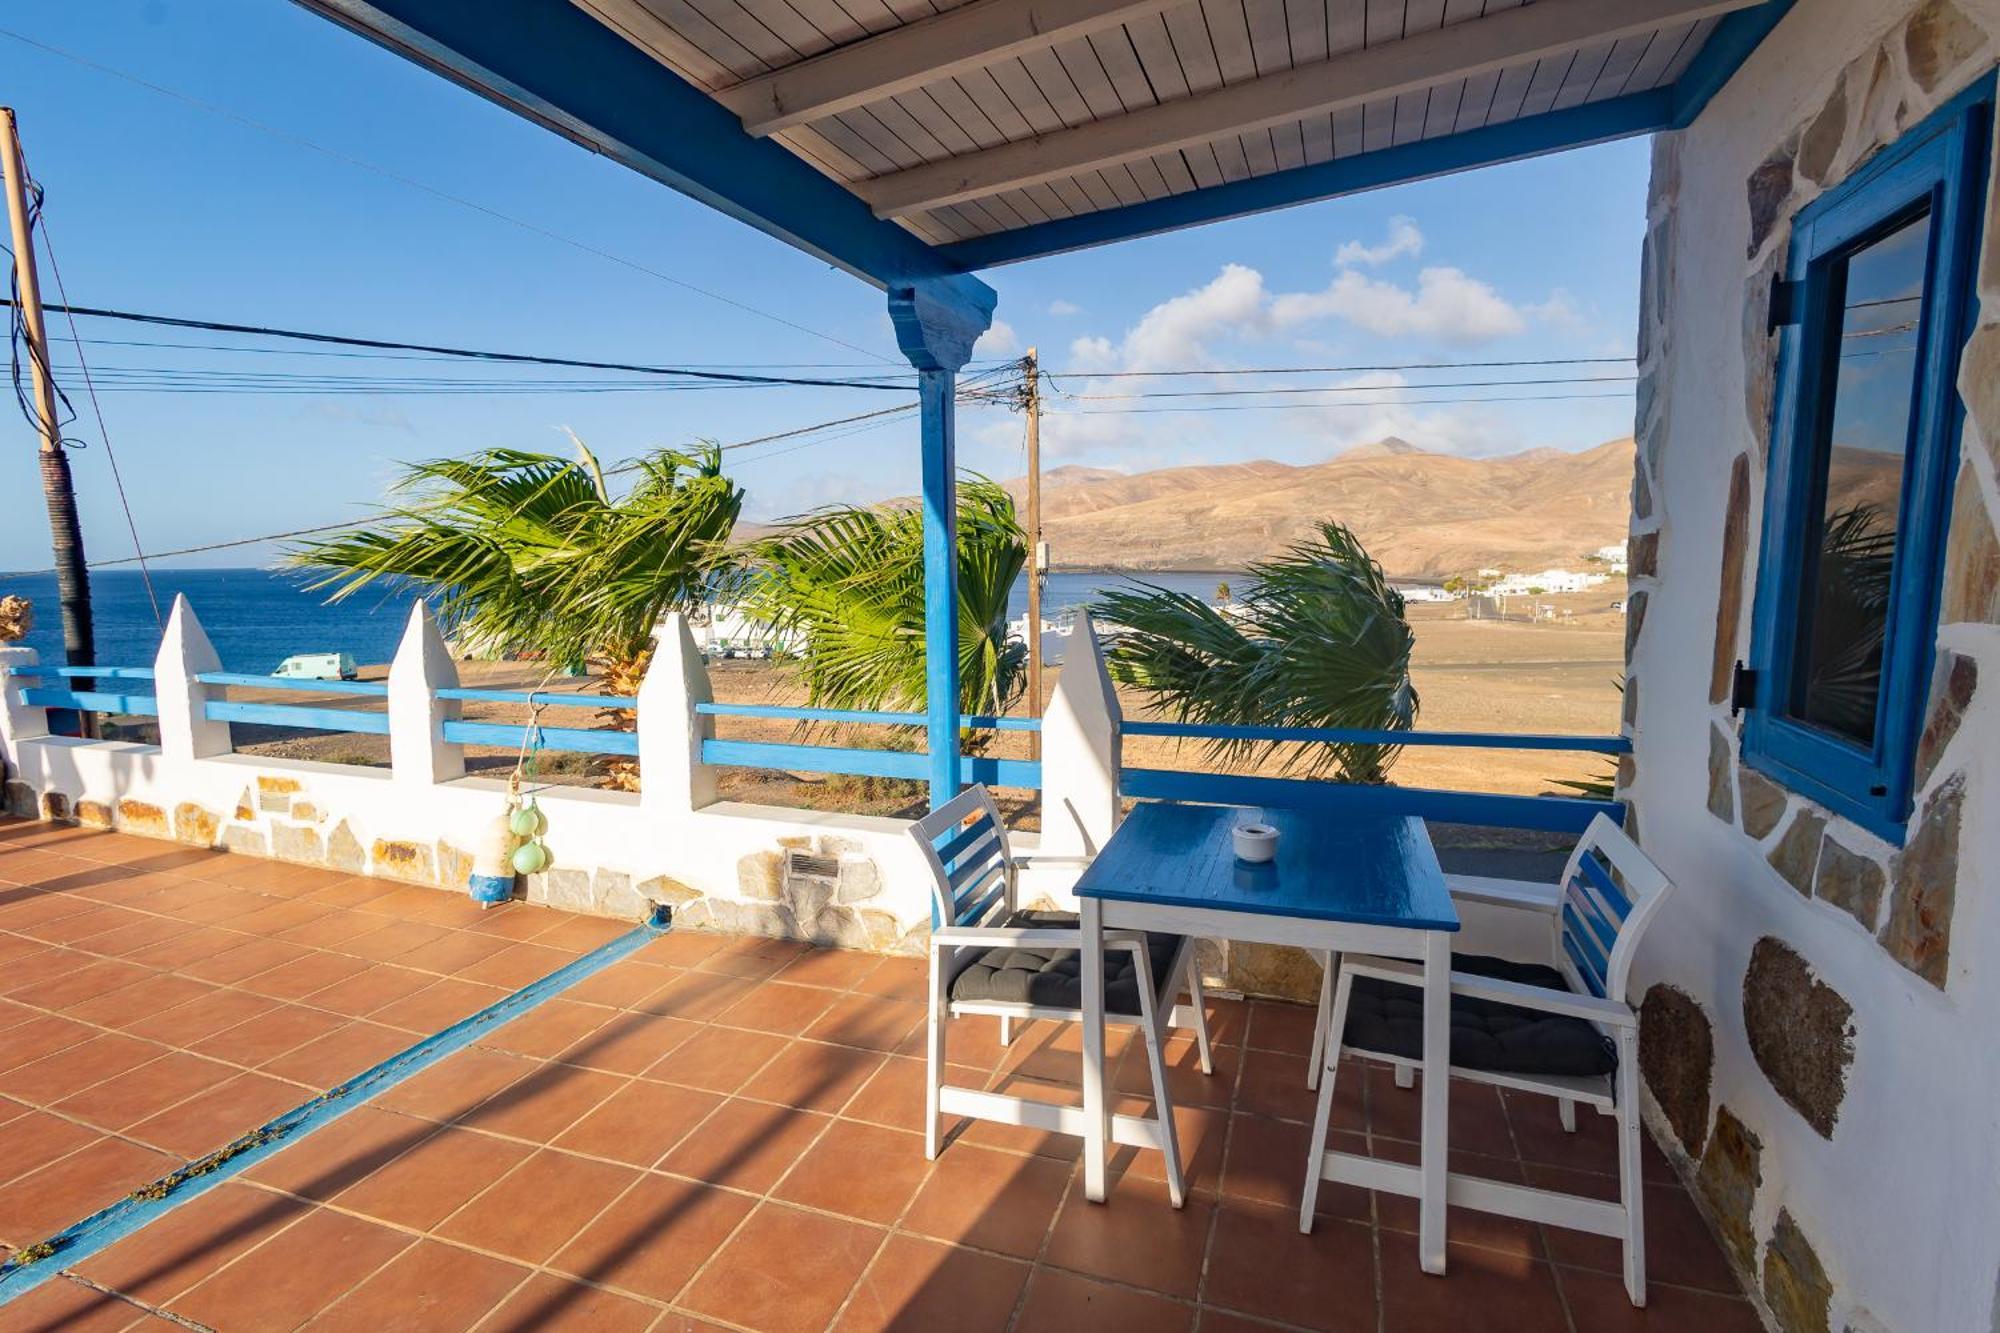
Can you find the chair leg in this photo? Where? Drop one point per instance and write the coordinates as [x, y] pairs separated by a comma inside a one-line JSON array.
[[1406, 1076], [1631, 1173], [934, 1059], [1566, 1109], [1322, 1117], [1199, 1003], [1006, 1030], [1152, 1024], [1329, 963]]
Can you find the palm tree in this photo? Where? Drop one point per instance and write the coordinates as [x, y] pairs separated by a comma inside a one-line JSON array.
[[525, 550], [1319, 640], [847, 582]]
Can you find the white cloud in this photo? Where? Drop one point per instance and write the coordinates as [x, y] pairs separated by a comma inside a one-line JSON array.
[[1560, 311], [998, 340], [1064, 309], [1448, 304], [1174, 334], [1093, 354], [1404, 239]]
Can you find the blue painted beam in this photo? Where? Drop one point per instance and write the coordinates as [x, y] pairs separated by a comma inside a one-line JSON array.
[[375, 689], [91, 701], [1554, 814], [815, 759], [940, 449], [1478, 740], [1531, 136], [554, 63], [1732, 42], [1024, 773], [296, 715], [95, 672], [578, 739], [972, 721], [543, 697]]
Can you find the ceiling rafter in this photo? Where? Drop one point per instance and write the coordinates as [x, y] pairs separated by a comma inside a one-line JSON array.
[[1476, 46], [879, 67]]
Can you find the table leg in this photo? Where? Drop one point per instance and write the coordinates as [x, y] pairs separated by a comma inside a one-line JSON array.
[[1436, 1105], [1096, 1104]]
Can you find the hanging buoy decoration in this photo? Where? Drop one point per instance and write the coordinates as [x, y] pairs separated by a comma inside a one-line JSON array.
[[492, 877], [512, 844], [528, 821], [531, 858]]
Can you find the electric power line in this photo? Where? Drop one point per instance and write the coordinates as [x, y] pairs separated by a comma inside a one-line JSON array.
[[1341, 370]]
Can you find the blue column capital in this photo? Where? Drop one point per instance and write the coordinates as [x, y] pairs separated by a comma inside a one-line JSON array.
[[939, 319]]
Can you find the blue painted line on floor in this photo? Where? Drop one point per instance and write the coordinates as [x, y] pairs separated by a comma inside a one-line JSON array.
[[106, 1227]]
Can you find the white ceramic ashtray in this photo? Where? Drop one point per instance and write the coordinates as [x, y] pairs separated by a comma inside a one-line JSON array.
[[1255, 842]]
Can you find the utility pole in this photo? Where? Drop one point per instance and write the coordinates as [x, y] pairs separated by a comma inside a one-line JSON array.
[[1031, 399], [65, 532]]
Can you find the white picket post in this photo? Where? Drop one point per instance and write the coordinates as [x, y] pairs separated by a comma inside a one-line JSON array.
[[673, 780], [418, 752]]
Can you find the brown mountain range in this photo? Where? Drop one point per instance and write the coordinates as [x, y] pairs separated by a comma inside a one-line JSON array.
[[1421, 514]]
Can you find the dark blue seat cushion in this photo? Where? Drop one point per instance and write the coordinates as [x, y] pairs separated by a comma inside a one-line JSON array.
[[1388, 1018], [1053, 977]]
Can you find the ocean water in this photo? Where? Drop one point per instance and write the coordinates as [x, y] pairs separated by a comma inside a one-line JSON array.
[[256, 618]]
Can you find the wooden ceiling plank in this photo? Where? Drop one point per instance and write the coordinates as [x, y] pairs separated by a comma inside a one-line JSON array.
[[1553, 28]]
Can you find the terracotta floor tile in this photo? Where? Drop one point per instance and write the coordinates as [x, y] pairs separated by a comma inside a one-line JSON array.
[[1201, 1132], [330, 930], [40, 1036], [433, 1179], [894, 1094], [339, 1055], [545, 1103], [779, 1008], [1274, 1084], [697, 996], [36, 1138], [158, 1262], [1021, 1138], [269, 1035], [582, 933], [1137, 1238], [437, 1006], [80, 926], [300, 978], [1465, 1226], [654, 1238], [92, 1177], [1679, 1246], [437, 1288], [35, 969], [868, 1021], [139, 931], [516, 966], [455, 952], [149, 995], [304, 1267], [919, 1284], [548, 1302], [992, 1200], [681, 948], [1597, 1302], [514, 921], [246, 960], [533, 1210], [859, 1170], [202, 1017], [811, 1075], [352, 891], [366, 993], [1277, 1025], [392, 939], [352, 1148], [784, 1271], [74, 1068], [454, 1086], [630, 1043], [65, 1306], [281, 916], [1266, 1164], [717, 1059], [839, 969], [211, 1119], [1058, 1302], [548, 1029], [1260, 1264], [897, 978], [98, 976], [1482, 1291], [1186, 1084], [146, 1090], [623, 984], [201, 942], [745, 1145], [1538, 1131], [745, 959], [640, 1122]]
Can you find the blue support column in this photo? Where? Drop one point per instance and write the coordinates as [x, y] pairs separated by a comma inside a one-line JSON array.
[[936, 324]]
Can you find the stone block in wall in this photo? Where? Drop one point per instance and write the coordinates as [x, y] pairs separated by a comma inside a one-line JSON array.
[[1958, 681], [272, 786], [1760, 353], [143, 818], [1768, 191], [1628, 713], [306, 812], [1730, 1174], [274, 803], [1796, 857], [1801, 1032], [612, 894], [761, 875], [1277, 971], [1924, 886], [1937, 40], [95, 814], [55, 806], [1819, 147], [1677, 1058], [249, 841], [667, 890], [561, 888], [344, 851], [196, 825], [1979, 364], [1729, 588], [1721, 770], [1635, 620], [454, 865], [21, 802], [1850, 881], [1796, 1287], [395, 858], [1763, 802], [297, 842], [1972, 559], [246, 807]]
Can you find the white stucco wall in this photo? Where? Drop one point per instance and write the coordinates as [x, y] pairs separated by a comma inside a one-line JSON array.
[[1902, 1203]]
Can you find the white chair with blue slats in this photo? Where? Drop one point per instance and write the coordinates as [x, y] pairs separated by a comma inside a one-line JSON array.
[[1566, 1030], [990, 958]]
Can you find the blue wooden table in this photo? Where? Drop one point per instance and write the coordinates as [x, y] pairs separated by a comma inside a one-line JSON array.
[[1362, 884]]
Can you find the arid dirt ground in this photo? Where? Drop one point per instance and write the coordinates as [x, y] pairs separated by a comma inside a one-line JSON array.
[[1554, 676]]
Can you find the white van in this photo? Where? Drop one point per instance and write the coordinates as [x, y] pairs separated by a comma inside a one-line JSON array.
[[319, 666]]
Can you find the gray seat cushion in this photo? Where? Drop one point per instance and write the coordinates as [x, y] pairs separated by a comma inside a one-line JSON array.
[[1388, 1018], [1053, 977]]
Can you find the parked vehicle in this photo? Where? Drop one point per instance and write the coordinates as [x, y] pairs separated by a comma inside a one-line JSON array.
[[319, 666]]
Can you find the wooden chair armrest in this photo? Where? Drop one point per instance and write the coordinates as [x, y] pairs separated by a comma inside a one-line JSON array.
[[1060, 937], [1037, 859], [1525, 895], [1472, 985]]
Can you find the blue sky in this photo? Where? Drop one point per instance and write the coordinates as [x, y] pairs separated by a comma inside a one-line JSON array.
[[158, 205]]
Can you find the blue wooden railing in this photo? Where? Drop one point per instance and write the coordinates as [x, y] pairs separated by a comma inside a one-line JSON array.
[[865, 762], [86, 701], [507, 735], [364, 722]]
